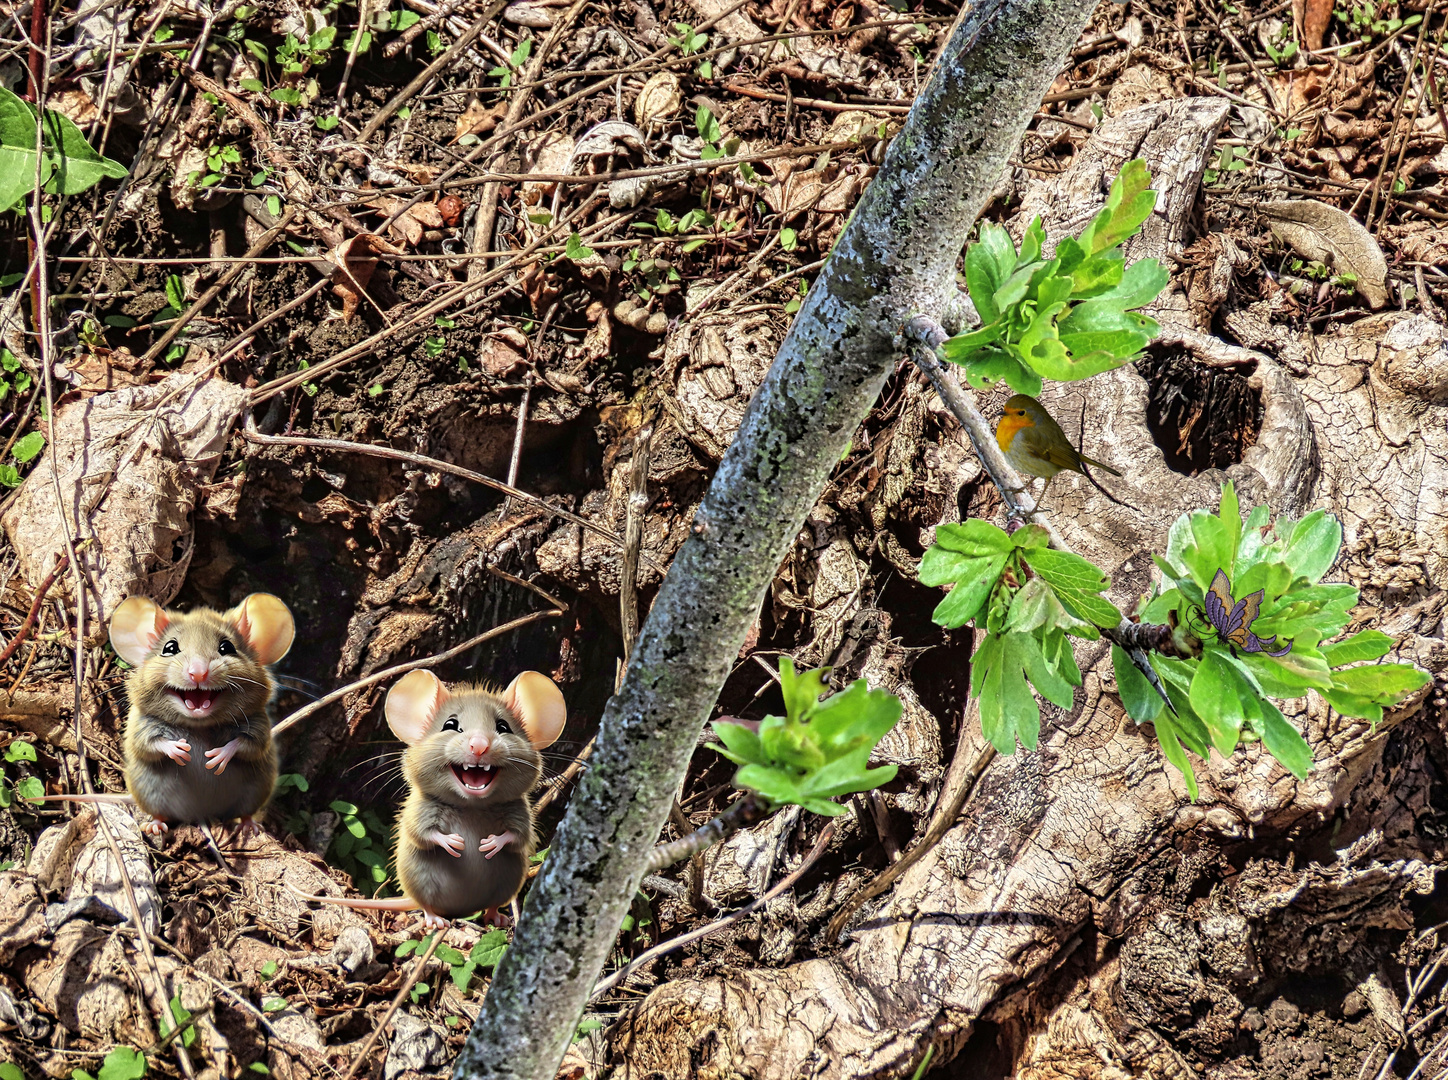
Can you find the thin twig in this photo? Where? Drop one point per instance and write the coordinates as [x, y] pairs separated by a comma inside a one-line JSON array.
[[411, 665], [179, 323], [406, 94], [402, 993], [633, 539], [748, 810], [946, 814], [250, 433], [663, 948], [34, 610]]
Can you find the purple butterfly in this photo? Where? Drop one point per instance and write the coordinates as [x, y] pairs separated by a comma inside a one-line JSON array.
[[1233, 619]]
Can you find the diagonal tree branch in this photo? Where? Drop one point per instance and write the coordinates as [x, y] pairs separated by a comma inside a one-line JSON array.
[[896, 258]]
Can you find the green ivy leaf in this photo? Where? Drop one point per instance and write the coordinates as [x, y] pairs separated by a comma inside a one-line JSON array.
[[26, 448], [1220, 694], [1314, 545], [1141, 702], [1077, 583], [123, 1063], [1008, 709], [1283, 741], [489, 949], [741, 744], [1364, 645], [32, 788]]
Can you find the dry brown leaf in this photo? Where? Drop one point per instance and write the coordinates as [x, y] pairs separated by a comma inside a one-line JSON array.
[[74, 104], [524, 13], [499, 358], [100, 372], [355, 260], [479, 119], [548, 154], [131, 463], [1324, 233], [659, 100]]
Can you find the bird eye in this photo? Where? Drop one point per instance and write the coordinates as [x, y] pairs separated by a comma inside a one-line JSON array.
[[226, 648], [451, 724], [504, 728], [171, 648]]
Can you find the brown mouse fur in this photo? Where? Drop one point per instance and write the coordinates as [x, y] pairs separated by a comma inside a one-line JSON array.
[[465, 833], [198, 740]]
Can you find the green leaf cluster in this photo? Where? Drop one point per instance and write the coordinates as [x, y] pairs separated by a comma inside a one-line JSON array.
[[1223, 698], [485, 954], [1028, 598], [30, 788], [1064, 318], [67, 166], [122, 1063], [817, 751]]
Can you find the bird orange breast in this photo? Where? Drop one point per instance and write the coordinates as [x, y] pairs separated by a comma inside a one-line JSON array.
[[1008, 427]]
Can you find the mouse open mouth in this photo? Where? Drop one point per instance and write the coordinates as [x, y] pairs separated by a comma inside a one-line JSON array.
[[197, 701], [474, 778]]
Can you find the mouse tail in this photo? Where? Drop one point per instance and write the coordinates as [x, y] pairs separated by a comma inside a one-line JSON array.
[[88, 799], [391, 903]]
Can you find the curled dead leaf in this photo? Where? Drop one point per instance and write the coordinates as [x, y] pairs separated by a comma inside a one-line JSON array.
[[1328, 235], [524, 13], [548, 154], [659, 100], [479, 119], [355, 260]]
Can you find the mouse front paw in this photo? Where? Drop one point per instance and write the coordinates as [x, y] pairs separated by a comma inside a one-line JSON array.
[[452, 843], [178, 750], [491, 845], [218, 757]]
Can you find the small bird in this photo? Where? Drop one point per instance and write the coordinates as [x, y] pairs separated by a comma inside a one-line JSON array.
[[1034, 444]]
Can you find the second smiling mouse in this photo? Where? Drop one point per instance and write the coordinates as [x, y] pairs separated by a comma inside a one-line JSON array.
[[465, 833]]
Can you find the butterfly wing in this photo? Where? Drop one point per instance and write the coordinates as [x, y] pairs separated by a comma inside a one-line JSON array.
[[1217, 604]]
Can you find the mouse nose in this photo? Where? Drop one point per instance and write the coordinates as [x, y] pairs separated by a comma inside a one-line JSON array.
[[197, 670], [478, 744]]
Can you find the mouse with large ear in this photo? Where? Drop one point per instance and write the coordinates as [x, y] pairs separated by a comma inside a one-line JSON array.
[[198, 743], [466, 829]]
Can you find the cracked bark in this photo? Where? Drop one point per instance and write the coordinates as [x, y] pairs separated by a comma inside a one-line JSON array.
[[895, 259], [1059, 841]]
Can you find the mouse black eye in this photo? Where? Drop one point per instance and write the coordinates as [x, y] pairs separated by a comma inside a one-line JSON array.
[[226, 648], [504, 728], [171, 648], [451, 724]]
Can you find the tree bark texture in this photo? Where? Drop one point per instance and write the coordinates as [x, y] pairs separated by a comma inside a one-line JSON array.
[[1089, 844], [896, 258]]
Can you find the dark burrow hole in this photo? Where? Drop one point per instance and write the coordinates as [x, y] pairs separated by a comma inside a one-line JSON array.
[[1201, 417]]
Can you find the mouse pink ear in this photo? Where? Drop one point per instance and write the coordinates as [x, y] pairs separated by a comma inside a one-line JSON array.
[[267, 625], [136, 627], [538, 704], [412, 703]]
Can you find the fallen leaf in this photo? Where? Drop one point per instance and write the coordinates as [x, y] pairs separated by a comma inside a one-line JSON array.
[[355, 260], [1328, 235], [75, 105], [524, 13], [479, 119], [548, 154], [499, 358], [659, 100], [97, 373], [133, 493]]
